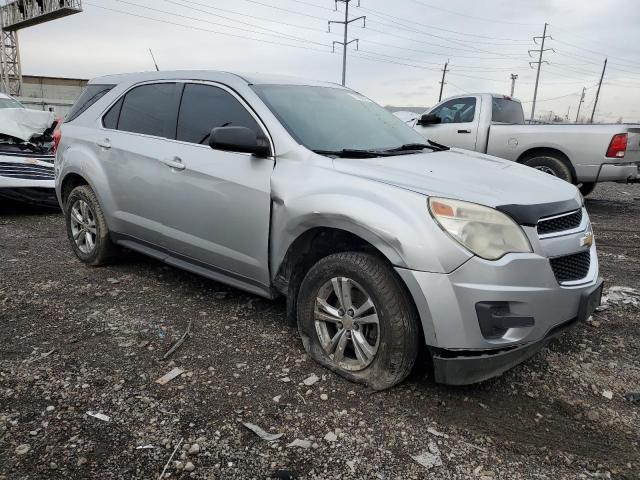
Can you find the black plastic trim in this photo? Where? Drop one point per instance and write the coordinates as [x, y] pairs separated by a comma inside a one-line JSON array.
[[529, 215]]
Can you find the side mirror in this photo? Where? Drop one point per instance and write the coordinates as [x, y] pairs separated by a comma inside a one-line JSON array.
[[429, 119], [239, 139]]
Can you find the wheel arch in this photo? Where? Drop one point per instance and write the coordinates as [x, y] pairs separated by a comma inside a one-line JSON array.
[[549, 152], [316, 243], [70, 181]]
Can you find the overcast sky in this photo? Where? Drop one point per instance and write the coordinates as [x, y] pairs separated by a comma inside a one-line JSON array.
[[401, 50]]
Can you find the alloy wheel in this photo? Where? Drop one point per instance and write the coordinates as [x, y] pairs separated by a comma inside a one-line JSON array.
[[83, 226], [347, 324]]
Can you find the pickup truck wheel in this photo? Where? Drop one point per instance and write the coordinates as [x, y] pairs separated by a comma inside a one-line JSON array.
[[587, 188], [551, 165], [355, 318], [86, 227]]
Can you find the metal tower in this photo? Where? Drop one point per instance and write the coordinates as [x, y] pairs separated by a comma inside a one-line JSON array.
[[17, 14]]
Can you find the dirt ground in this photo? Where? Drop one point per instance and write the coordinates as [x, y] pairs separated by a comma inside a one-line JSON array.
[[75, 340]]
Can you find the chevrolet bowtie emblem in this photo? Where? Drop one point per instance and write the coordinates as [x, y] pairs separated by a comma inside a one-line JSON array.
[[587, 240]]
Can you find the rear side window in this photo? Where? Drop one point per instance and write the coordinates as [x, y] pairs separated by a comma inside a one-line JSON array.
[[204, 108], [149, 109], [458, 110], [506, 111], [90, 95]]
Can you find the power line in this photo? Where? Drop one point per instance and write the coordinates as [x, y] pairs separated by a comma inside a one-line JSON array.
[[217, 32], [274, 33], [492, 20]]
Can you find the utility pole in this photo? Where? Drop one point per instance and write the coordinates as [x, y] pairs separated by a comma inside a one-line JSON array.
[[568, 110], [580, 103], [540, 51], [595, 103], [514, 77], [444, 73], [346, 22]]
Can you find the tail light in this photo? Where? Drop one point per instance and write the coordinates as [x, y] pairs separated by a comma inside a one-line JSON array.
[[57, 135], [618, 146]]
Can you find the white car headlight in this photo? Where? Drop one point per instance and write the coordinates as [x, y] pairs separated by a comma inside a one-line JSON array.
[[484, 231]]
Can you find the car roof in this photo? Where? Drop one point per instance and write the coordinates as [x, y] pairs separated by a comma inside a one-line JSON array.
[[210, 75]]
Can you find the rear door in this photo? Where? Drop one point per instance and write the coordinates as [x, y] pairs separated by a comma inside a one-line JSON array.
[[459, 123], [217, 209], [134, 151]]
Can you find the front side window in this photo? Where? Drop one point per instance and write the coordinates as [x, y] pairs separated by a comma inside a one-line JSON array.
[[335, 119], [458, 110], [204, 108], [149, 109]]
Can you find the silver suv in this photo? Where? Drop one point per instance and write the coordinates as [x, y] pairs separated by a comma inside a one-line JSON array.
[[383, 243]]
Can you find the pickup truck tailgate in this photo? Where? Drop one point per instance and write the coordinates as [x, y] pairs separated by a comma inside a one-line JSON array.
[[633, 146]]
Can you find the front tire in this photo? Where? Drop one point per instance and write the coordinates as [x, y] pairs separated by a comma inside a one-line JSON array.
[[87, 228], [355, 318], [551, 165]]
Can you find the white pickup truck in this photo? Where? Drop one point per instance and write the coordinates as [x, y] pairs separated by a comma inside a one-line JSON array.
[[494, 124]]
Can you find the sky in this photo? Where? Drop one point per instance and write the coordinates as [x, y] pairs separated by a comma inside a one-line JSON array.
[[400, 55]]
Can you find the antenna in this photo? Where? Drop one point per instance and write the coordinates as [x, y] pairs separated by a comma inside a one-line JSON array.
[[154, 60]]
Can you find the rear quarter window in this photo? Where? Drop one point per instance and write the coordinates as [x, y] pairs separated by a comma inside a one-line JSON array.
[[90, 95], [506, 111]]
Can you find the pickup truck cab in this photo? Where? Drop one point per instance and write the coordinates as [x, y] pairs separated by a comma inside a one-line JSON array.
[[383, 244], [494, 124]]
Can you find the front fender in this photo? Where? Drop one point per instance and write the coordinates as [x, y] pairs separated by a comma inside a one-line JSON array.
[[394, 220]]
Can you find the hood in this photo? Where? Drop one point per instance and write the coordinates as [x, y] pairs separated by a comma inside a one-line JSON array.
[[23, 123], [471, 177]]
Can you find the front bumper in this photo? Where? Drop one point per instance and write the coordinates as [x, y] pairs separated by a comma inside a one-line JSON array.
[[519, 294], [464, 368], [27, 177]]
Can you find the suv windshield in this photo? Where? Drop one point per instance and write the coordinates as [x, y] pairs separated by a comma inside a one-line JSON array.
[[327, 119], [507, 111]]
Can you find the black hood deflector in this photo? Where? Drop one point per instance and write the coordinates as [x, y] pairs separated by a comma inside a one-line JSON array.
[[529, 215]]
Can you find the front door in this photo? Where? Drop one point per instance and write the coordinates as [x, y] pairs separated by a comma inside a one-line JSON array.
[[459, 123], [217, 208]]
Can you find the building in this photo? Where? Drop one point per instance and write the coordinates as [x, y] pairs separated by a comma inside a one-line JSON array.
[[50, 93]]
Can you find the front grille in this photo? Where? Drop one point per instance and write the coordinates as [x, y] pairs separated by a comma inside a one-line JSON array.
[[26, 171], [567, 221], [571, 267]]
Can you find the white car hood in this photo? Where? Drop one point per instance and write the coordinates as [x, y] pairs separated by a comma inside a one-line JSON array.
[[464, 175], [23, 123]]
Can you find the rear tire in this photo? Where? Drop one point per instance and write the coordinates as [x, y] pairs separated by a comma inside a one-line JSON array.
[[378, 352], [87, 228], [587, 188], [551, 165]]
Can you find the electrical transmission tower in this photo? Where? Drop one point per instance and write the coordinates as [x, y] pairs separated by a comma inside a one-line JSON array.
[[540, 51], [346, 22], [444, 74], [18, 14]]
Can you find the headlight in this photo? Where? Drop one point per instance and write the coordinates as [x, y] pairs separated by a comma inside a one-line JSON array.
[[485, 231]]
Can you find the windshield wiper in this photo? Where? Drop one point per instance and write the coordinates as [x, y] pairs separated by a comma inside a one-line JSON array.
[[351, 153], [436, 147]]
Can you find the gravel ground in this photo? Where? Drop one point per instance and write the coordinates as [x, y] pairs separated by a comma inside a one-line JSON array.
[[75, 340]]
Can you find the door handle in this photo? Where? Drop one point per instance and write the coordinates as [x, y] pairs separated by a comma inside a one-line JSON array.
[[174, 162], [106, 144], [464, 131]]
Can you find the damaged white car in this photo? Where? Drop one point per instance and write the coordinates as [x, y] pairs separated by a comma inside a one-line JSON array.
[[26, 153]]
